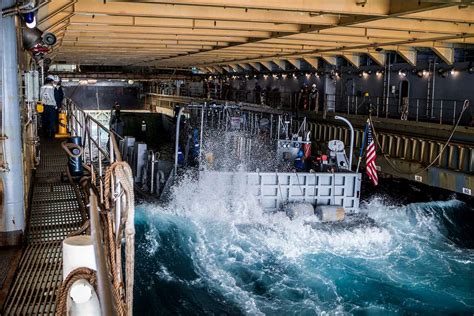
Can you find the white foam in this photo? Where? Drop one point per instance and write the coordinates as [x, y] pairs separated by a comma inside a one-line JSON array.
[[231, 231]]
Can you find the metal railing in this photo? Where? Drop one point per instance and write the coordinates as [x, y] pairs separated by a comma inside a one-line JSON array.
[[98, 141], [441, 111], [101, 152]]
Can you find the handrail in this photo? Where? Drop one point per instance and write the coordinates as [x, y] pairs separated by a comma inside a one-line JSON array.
[[101, 155], [103, 282]]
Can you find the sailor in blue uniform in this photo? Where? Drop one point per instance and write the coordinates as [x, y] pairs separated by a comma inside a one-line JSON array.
[[299, 161]]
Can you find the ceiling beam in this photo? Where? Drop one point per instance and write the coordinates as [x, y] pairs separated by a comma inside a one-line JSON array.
[[267, 65], [245, 66], [312, 61], [295, 62], [186, 11], [331, 60], [354, 59], [378, 57], [234, 32], [445, 53], [409, 54], [255, 65], [375, 8], [280, 63]]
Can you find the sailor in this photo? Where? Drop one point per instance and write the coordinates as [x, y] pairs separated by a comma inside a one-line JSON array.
[[116, 123], [59, 97], [314, 98], [49, 114], [180, 156], [196, 148], [299, 161], [58, 92]]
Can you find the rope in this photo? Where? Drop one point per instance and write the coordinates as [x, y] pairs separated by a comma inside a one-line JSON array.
[[113, 248], [85, 227], [78, 274], [387, 158], [122, 173]]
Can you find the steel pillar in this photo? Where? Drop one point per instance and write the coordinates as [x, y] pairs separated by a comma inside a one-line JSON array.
[[12, 217]]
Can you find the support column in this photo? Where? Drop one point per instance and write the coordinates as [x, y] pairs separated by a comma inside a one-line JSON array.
[[12, 214], [329, 93]]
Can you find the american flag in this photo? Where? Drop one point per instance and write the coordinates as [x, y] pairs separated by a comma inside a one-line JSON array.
[[371, 157]]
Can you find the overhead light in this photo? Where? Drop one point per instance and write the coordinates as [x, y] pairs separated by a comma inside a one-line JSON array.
[[130, 82], [454, 71], [379, 73], [294, 76], [402, 73], [265, 76], [308, 75], [275, 76], [364, 74], [284, 76], [30, 20]]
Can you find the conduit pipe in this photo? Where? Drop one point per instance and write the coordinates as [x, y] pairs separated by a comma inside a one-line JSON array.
[[351, 149], [178, 120]]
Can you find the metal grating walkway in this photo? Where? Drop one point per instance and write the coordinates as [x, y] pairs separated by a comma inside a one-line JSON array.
[[54, 214]]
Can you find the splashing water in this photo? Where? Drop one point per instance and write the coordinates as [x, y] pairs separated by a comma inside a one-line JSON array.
[[213, 252]]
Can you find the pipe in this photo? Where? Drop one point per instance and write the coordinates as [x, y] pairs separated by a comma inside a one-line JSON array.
[[351, 148], [177, 140], [201, 133], [13, 212]]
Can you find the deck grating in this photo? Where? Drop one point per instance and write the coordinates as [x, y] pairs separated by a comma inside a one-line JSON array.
[[54, 215]]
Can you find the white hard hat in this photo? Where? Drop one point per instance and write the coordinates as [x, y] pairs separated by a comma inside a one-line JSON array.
[[56, 78], [314, 85], [50, 77]]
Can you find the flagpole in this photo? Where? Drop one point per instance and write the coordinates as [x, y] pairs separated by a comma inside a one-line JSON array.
[[362, 147]]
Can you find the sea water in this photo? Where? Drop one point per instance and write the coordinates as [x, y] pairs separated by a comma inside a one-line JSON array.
[[210, 252]]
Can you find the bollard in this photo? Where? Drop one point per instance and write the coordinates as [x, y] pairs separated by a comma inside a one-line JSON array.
[[78, 252], [75, 162], [62, 126]]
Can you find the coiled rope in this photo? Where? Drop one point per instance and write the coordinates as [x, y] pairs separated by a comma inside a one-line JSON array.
[[78, 274], [122, 173]]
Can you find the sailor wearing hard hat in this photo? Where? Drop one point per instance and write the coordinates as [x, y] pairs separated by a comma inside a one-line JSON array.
[[49, 103]]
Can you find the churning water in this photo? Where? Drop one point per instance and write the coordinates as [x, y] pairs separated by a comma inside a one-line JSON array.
[[211, 253]]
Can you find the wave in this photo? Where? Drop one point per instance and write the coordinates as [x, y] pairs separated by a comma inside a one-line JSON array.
[[213, 250]]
